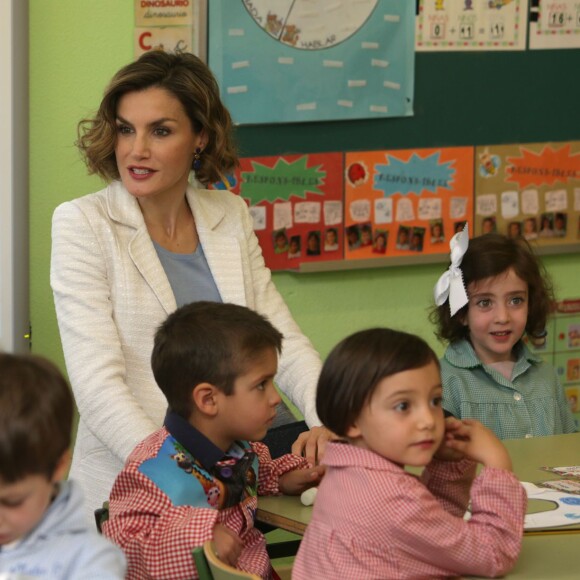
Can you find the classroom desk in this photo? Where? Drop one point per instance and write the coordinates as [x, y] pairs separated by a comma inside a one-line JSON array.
[[547, 557], [527, 455]]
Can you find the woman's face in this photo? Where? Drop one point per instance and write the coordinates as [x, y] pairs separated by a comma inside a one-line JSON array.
[[155, 144]]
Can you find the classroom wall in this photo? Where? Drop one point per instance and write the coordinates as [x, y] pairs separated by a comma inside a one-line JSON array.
[[461, 99]]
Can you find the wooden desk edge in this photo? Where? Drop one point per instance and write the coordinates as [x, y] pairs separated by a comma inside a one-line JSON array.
[[279, 521]]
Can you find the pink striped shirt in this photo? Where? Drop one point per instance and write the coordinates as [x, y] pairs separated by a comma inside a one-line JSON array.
[[372, 519]]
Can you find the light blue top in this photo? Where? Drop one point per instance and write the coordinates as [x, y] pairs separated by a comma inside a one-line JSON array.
[[529, 404], [189, 276], [63, 546]]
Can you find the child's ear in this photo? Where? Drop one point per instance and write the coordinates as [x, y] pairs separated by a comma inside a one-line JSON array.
[[353, 432], [62, 466], [204, 398]]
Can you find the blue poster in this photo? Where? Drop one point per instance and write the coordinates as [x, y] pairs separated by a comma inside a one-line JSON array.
[[283, 61]]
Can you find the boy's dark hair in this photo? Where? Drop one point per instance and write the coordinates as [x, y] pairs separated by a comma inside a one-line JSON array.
[[491, 255], [208, 342], [357, 364], [36, 414]]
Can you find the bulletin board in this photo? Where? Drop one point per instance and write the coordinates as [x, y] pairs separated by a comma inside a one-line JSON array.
[[532, 190], [406, 202], [296, 202], [562, 349], [289, 61]]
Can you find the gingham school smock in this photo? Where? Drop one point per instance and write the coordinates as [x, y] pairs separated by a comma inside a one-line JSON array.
[[531, 404]]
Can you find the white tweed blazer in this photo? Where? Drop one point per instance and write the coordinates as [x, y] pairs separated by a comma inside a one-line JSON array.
[[111, 294]]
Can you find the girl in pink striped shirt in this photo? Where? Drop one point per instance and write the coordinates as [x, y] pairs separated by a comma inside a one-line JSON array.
[[380, 390]]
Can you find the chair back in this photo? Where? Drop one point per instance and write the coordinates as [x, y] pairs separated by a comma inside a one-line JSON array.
[[220, 570]]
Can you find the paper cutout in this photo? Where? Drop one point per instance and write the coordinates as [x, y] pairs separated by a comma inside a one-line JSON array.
[[556, 200], [383, 211], [430, 208], [307, 212], [332, 213], [405, 211], [510, 206], [551, 165], [458, 207], [530, 203], [259, 217], [571, 471], [284, 179], [486, 204], [563, 485], [565, 513], [282, 215]]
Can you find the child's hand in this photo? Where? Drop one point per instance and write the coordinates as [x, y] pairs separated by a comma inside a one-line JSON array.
[[228, 546], [474, 440], [296, 481], [453, 428]]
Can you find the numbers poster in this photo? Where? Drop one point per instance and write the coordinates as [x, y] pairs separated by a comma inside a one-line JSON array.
[[530, 190], [471, 25], [555, 24], [406, 202], [296, 202]]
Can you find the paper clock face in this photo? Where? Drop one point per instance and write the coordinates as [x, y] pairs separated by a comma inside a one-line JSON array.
[[286, 61], [317, 27]]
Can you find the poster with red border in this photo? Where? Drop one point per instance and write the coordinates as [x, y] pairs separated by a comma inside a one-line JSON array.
[[296, 202], [530, 190], [406, 202]]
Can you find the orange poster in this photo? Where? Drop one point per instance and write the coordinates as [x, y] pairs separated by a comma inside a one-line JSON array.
[[296, 202], [406, 202], [530, 190]]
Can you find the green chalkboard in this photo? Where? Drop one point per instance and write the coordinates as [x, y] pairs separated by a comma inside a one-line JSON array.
[[461, 98]]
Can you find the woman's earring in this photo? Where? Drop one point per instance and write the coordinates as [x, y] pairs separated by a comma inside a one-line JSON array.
[[197, 159]]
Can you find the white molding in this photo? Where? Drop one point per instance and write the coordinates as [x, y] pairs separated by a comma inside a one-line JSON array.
[[14, 260]]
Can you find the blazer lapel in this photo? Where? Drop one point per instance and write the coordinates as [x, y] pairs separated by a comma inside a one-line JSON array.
[[221, 248], [124, 209]]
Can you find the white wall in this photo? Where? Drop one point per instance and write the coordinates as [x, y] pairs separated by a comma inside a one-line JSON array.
[[14, 294]]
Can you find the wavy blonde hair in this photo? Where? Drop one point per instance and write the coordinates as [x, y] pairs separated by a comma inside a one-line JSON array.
[[187, 78]]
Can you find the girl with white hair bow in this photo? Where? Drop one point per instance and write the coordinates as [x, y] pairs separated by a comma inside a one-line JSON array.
[[494, 296]]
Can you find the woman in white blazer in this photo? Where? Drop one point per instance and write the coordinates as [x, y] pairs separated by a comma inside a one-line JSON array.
[[160, 117]]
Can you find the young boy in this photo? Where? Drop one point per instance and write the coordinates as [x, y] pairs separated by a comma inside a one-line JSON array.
[[43, 532], [196, 478]]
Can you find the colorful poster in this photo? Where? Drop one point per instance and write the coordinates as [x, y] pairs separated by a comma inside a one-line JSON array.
[[562, 349], [530, 190], [296, 202], [555, 24], [170, 25], [406, 202], [444, 25], [309, 60]]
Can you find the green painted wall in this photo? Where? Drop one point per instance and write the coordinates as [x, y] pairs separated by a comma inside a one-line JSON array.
[[77, 45]]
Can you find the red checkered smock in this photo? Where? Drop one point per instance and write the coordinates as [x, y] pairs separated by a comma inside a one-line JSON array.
[[372, 519], [158, 532]]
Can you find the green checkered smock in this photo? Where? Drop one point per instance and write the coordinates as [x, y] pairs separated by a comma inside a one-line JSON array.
[[531, 404]]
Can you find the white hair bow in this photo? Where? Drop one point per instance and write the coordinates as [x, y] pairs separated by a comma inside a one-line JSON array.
[[451, 284]]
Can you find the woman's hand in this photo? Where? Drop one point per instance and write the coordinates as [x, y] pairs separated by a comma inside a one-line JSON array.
[[311, 444]]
